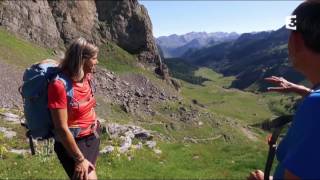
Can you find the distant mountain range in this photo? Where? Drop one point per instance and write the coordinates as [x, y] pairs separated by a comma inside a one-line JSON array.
[[250, 58], [176, 45]]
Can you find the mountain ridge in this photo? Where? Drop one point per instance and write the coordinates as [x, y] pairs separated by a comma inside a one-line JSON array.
[[176, 45], [250, 58]]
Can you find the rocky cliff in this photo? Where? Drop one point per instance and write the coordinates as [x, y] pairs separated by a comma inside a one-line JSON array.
[[54, 24]]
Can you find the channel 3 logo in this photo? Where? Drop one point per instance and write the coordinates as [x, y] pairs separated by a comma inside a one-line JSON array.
[[291, 22]]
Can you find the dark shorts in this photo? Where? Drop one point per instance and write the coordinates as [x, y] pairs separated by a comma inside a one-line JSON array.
[[88, 145]]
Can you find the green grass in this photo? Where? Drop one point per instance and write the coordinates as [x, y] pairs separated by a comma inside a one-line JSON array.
[[180, 69], [215, 78], [192, 161], [30, 167], [177, 129], [281, 104], [17, 142], [244, 106], [111, 112], [20, 52], [177, 161], [116, 59]]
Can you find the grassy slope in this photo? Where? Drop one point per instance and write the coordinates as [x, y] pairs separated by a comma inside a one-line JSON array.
[[20, 52], [214, 159], [234, 103]]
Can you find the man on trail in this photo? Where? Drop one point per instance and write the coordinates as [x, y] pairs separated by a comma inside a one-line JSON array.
[[299, 152]]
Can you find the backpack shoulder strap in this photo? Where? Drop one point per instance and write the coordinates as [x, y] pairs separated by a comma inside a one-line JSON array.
[[91, 84], [67, 84]]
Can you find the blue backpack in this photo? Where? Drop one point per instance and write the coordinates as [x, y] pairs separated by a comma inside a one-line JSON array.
[[34, 92]]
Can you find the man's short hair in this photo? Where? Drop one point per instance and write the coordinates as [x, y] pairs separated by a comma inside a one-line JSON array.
[[308, 23]]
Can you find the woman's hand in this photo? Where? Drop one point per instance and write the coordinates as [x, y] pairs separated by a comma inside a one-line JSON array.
[[82, 166], [81, 170], [256, 175], [285, 86]]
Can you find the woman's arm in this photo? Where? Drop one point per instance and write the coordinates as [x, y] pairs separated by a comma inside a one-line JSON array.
[[82, 165], [60, 118]]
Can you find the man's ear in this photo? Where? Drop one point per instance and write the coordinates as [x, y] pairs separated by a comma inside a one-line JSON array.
[[297, 42]]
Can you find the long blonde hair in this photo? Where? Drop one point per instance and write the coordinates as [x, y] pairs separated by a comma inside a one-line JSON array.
[[75, 57]]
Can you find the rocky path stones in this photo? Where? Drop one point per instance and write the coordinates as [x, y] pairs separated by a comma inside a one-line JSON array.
[[10, 117], [126, 134], [134, 93], [7, 132]]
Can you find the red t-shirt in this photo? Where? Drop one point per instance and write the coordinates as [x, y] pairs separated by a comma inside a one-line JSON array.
[[78, 116]]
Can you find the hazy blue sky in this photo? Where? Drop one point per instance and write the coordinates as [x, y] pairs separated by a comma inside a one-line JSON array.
[[179, 17]]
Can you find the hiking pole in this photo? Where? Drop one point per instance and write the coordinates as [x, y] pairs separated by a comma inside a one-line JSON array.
[[278, 123], [28, 134], [272, 152]]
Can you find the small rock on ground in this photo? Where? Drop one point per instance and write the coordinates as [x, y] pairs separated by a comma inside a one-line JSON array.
[[7, 133]]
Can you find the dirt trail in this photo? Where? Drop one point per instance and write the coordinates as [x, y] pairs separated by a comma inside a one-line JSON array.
[[249, 133], [10, 79]]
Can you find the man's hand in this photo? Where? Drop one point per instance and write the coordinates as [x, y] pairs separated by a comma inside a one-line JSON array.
[[81, 170], [256, 175], [285, 86]]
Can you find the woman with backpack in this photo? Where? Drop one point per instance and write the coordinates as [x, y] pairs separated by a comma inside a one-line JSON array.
[[72, 109]]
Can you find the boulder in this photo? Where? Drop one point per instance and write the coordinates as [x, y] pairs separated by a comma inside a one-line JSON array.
[[10, 117], [20, 151], [142, 134], [126, 144], [8, 133], [107, 150], [157, 151], [151, 144]]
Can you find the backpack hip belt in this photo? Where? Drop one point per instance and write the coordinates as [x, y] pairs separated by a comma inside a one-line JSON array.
[[76, 131]]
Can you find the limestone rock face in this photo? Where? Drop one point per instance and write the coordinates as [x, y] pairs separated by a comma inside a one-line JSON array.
[[55, 24], [76, 18], [130, 26], [32, 20]]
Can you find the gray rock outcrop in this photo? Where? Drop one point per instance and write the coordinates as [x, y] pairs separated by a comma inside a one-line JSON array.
[[13, 118], [116, 130], [76, 18], [134, 97], [32, 20], [7, 132], [54, 24], [126, 134], [130, 27]]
